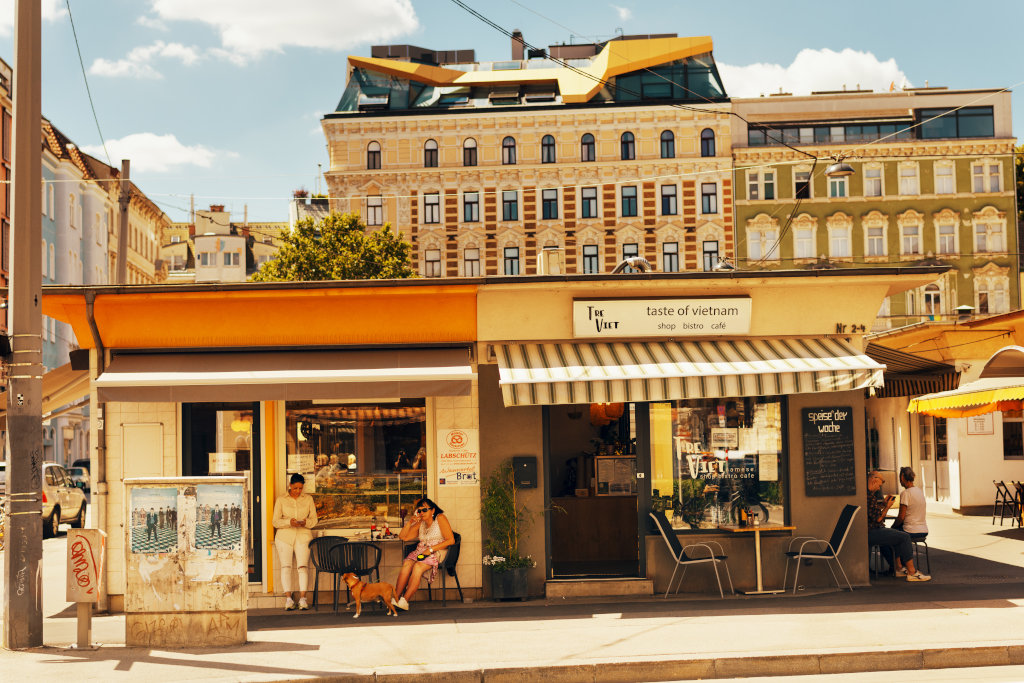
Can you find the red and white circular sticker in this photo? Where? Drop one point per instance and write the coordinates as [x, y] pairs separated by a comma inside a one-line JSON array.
[[457, 439]]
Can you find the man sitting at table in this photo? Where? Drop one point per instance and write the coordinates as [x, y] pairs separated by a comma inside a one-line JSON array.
[[888, 540]]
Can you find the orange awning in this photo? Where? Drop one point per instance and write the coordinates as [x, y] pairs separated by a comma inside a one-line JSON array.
[[986, 395]]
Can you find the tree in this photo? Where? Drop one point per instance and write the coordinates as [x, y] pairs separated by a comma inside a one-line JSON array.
[[338, 248]]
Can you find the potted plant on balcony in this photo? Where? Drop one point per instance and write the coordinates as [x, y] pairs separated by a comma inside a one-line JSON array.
[[506, 519]]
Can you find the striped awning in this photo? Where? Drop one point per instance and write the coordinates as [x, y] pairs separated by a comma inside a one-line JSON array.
[[974, 398], [578, 372]]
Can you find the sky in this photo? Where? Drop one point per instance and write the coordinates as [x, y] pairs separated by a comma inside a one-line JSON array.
[[221, 100]]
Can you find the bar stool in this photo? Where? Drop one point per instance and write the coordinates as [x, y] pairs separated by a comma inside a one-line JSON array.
[[927, 558]]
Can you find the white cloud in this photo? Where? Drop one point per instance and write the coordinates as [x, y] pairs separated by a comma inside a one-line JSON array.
[[625, 14], [52, 10], [151, 22], [137, 64], [813, 70], [157, 153], [249, 28]]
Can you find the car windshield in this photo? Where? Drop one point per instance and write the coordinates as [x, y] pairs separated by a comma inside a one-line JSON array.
[[77, 470]]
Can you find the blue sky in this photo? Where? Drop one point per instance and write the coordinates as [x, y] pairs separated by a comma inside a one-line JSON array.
[[221, 99]]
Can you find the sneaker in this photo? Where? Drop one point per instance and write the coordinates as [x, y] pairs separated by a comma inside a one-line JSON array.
[[289, 604], [394, 602], [303, 604], [918, 576], [402, 603], [899, 572]]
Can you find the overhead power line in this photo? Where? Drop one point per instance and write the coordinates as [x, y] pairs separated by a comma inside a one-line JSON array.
[[88, 91]]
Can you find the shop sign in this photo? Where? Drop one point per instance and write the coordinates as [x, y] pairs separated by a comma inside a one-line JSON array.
[[689, 317], [458, 457], [980, 424]]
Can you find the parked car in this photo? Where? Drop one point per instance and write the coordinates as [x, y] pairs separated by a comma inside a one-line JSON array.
[[82, 462], [79, 477], [62, 500]]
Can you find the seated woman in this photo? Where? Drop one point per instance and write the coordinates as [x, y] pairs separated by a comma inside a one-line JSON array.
[[430, 526], [912, 514]]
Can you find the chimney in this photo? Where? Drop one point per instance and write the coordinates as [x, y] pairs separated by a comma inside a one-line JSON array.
[[518, 47]]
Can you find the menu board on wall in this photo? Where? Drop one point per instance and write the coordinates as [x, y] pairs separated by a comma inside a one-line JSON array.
[[829, 459]]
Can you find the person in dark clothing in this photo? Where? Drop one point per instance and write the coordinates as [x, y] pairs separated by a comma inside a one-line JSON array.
[[890, 541]]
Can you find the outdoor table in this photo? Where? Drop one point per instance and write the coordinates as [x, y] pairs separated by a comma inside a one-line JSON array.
[[757, 550]]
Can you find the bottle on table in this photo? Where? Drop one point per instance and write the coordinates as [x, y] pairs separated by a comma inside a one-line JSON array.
[[373, 527]]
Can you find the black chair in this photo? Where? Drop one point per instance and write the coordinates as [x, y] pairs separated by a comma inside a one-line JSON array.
[[321, 557], [446, 568], [358, 557], [918, 540], [1005, 498], [684, 556], [827, 550]]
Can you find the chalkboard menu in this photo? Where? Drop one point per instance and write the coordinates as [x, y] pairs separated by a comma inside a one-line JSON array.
[[829, 462]]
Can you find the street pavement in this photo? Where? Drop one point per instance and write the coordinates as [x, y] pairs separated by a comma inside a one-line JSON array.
[[970, 615]]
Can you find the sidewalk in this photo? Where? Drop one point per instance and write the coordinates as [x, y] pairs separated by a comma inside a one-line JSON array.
[[970, 615]]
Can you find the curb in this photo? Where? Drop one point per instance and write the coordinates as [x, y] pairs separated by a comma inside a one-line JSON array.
[[713, 668]]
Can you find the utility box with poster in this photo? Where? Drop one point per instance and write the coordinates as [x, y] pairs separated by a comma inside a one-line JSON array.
[[524, 471], [187, 563]]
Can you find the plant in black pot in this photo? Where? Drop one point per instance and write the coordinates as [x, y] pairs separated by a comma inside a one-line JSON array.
[[506, 520]]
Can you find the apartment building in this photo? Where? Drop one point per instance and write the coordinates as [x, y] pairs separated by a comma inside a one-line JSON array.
[[933, 184], [589, 153]]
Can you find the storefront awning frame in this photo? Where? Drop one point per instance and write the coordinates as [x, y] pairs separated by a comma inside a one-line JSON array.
[[637, 371], [999, 387]]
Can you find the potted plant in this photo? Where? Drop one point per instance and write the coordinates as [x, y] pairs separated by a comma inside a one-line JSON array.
[[506, 519]]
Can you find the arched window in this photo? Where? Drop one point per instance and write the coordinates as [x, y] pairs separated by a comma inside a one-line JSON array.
[[668, 144], [547, 149], [628, 144], [430, 154], [508, 150], [587, 152], [707, 143], [469, 152], [373, 156], [932, 300]]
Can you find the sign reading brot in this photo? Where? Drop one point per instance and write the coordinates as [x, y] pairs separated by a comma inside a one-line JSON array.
[[829, 463], [696, 317]]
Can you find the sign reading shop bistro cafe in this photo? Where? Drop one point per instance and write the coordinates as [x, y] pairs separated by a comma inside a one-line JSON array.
[[690, 317]]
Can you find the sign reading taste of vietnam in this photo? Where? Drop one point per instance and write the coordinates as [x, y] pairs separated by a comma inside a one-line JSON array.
[[691, 317]]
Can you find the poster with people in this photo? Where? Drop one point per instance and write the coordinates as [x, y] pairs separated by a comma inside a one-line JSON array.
[[219, 512], [154, 519]]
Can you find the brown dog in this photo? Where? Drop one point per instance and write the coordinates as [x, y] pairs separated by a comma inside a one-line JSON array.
[[368, 591]]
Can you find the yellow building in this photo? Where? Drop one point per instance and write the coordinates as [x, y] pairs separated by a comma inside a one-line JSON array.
[[622, 151]]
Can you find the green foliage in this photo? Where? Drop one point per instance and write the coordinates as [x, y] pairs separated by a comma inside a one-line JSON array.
[[506, 520], [692, 503], [338, 248]]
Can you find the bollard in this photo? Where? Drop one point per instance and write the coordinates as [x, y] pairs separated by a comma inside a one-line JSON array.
[[86, 548]]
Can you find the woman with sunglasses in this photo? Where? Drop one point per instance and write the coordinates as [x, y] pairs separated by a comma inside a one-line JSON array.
[[429, 525]]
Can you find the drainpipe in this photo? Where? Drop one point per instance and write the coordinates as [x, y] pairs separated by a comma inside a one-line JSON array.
[[99, 469]]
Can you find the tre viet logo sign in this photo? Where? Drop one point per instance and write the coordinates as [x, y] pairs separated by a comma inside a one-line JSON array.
[[690, 317]]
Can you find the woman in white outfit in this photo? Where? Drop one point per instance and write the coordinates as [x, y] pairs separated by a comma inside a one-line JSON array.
[[294, 517], [430, 526], [913, 511]]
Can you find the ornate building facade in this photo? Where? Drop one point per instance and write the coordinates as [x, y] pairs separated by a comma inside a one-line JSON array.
[[933, 184], [485, 166]]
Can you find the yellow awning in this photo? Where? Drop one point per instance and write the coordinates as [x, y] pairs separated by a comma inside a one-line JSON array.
[[974, 398]]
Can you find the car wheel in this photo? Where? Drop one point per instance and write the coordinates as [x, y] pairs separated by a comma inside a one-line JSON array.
[[51, 524], [79, 521]]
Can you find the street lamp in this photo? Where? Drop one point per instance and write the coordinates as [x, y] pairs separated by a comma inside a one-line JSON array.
[[839, 169]]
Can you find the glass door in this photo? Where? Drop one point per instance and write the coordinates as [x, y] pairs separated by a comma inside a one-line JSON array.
[[224, 439]]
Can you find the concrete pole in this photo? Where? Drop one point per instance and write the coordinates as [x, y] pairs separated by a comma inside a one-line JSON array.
[[23, 596], [123, 200]]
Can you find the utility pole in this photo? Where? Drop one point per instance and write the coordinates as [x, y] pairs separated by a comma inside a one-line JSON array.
[[23, 589], [123, 200]]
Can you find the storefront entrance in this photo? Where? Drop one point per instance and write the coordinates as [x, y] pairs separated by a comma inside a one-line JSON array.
[[592, 467], [223, 439]]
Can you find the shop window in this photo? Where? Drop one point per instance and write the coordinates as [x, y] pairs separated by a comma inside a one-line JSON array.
[[1013, 435], [364, 461], [712, 458]]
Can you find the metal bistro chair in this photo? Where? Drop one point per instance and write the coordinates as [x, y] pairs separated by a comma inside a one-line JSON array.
[[447, 567], [827, 550], [1018, 503], [682, 557], [1004, 499], [358, 557], [321, 557]]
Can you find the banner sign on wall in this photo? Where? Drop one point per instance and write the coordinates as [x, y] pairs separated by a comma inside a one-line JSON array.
[[690, 317], [458, 457]]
